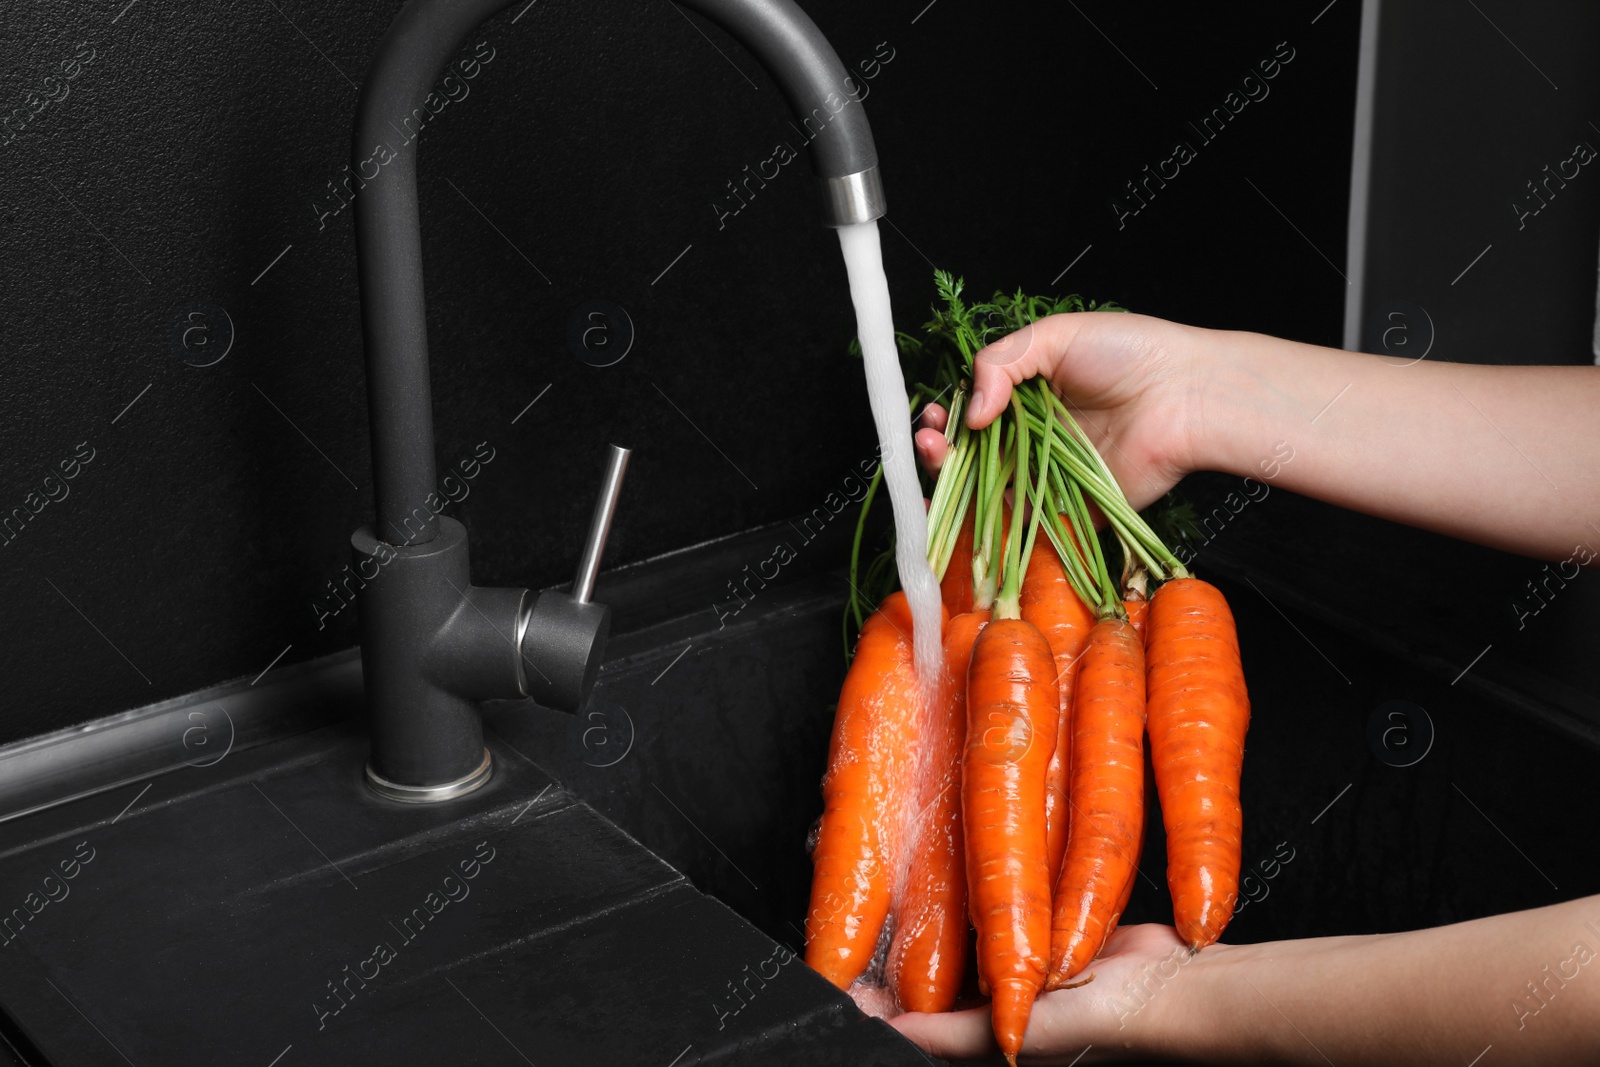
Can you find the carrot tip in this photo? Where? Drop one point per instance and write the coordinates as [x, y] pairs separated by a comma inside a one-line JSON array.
[[1011, 1006], [1075, 985]]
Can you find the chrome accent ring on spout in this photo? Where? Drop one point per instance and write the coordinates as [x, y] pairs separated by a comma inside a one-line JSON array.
[[854, 198]]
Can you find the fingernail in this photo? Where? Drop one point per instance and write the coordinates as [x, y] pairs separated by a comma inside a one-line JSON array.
[[976, 404]]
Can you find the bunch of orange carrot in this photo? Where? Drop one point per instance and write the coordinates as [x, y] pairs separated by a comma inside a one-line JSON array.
[[1009, 793]]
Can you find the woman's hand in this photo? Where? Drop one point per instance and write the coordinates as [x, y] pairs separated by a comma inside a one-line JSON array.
[[1520, 984], [1414, 441], [1130, 380], [1136, 988]]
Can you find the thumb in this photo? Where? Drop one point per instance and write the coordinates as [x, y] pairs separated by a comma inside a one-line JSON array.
[[1036, 349]]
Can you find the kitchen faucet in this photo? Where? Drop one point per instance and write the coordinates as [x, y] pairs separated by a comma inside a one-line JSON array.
[[434, 646]]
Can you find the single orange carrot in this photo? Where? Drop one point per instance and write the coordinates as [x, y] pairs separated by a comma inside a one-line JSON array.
[[1136, 611], [1011, 728], [1051, 604], [1199, 713], [866, 791], [928, 954], [1107, 798]]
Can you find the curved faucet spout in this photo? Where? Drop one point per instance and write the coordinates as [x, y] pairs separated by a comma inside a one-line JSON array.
[[422, 39], [432, 644]]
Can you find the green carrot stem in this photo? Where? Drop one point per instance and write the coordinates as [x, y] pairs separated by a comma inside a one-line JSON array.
[[1108, 589], [857, 601], [983, 523], [1109, 496], [1008, 605], [1040, 496], [986, 572], [1126, 520], [1095, 590], [855, 547], [1047, 515], [951, 496], [958, 515], [1066, 416], [958, 407], [1089, 543], [1072, 562]]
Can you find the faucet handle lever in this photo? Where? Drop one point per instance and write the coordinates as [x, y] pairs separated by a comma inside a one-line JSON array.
[[562, 638], [605, 506]]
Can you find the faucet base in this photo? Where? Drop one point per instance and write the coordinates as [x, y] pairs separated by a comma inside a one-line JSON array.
[[430, 794]]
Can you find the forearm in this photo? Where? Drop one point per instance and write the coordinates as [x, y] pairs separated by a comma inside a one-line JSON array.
[[1503, 456], [1527, 983]]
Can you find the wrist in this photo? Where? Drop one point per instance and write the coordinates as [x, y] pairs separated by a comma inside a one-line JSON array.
[[1267, 1002], [1195, 1022], [1244, 406], [1218, 1018], [1222, 384]]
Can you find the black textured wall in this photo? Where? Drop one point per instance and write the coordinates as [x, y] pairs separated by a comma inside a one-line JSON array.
[[1480, 234], [164, 181], [1482, 195]]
